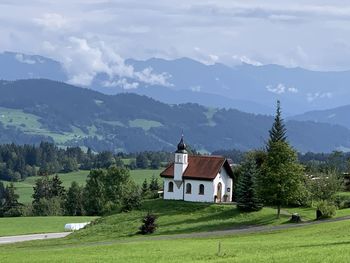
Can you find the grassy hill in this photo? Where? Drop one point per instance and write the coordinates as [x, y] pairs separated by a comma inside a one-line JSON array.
[[113, 239], [25, 188], [36, 109]]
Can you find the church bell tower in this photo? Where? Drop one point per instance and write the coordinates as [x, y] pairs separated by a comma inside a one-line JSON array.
[[181, 162]]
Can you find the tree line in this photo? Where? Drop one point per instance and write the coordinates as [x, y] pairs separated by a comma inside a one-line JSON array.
[[17, 162]]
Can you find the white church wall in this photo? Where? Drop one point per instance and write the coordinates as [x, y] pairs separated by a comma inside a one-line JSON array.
[[226, 183], [208, 195], [177, 193]]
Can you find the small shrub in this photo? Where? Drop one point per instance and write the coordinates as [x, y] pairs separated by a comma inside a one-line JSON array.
[[13, 212], [149, 224], [27, 210], [344, 204], [324, 209]]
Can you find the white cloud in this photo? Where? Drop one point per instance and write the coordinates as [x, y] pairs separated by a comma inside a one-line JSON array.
[[84, 59], [318, 95], [246, 60], [23, 59], [281, 88], [123, 83], [293, 90]]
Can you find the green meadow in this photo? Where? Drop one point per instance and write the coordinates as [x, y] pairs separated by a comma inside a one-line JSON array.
[[10, 226], [328, 242]]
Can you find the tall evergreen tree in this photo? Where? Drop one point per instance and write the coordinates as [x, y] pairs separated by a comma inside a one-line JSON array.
[[246, 190], [278, 130], [281, 178], [57, 189]]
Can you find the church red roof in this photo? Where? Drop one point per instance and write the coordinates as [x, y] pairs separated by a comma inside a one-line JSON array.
[[201, 168]]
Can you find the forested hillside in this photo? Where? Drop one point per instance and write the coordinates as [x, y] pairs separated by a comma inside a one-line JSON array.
[[36, 110]]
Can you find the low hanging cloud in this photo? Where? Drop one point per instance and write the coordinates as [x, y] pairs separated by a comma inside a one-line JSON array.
[[23, 59], [84, 60], [281, 88], [318, 95], [246, 60]]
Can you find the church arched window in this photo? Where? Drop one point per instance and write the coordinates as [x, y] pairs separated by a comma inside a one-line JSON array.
[[201, 189], [188, 188], [171, 187]]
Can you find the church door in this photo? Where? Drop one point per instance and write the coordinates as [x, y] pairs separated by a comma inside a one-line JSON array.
[[219, 193]]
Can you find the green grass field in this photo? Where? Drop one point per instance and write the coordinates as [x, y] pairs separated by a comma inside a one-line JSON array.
[[25, 188], [328, 242], [30, 225]]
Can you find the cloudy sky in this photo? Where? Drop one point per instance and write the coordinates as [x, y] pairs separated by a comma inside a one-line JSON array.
[[86, 34]]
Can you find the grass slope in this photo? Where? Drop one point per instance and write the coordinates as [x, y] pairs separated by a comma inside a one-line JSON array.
[[31, 225], [317, 243], [25, 188], [175, 217]]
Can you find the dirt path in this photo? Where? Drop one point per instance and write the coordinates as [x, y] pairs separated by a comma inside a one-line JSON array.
[[22, 238]]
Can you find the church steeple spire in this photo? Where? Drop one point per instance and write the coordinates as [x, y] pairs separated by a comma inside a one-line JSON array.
[[181, 147]]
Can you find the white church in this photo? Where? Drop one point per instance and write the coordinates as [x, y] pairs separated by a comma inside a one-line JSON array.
[[198, 178]]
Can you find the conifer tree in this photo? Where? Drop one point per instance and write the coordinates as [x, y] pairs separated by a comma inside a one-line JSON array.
[[144, 188], [278, 130], [154, 185], [246, 191], [281, 178]]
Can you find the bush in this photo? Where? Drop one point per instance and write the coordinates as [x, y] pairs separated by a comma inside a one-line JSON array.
[[324, 209], [132, 200], [149, 225], [28, 210], [48, 207], [13, 212]]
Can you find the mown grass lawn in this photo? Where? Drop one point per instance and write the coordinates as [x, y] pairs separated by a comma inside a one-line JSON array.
[[25, 188], [10, 226], [328, 242], [175, 217]]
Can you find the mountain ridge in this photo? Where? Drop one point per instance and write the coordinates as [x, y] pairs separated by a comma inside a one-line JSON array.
[[40, 109], [245, 87]]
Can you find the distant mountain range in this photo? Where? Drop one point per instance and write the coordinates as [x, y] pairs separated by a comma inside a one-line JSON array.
[[37, 109], [338, 116], [245, 87]]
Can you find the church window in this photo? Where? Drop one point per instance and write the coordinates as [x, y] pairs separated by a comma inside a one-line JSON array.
[[188, 188], [201, 189], [171, 187]]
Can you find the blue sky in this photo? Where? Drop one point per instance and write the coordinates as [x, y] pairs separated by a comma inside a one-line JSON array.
[[90, 35]]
